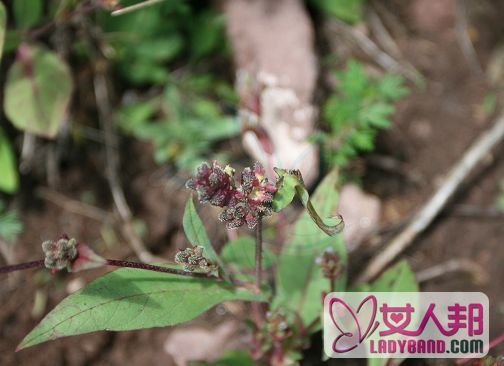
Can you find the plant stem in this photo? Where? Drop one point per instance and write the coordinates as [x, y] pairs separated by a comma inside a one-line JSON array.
[[309, 327], [333, 284], [19, 267], [150, 267], [116, 263], [258, 255]]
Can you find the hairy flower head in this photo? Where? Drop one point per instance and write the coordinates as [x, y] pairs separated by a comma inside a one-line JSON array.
[[213, 184], [245, 204]]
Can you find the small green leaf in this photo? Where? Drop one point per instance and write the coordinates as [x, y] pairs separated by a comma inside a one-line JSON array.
[[230, 358], [134, 116], [129, 299], [27, 13], [489, 103], [392, 87], [37, 92], [348, 10], [196, 233], [9, 180], [300, 281], [10, 225], [398, 278], [3, 25], [378, 115], [208, 34], [290, 181], [286, 190], [159, 49]]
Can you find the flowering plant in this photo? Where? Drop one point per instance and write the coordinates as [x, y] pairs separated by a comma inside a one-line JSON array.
[[310, 263]]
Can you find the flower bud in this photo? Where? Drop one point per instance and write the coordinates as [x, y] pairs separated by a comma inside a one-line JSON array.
[[67, 253], [213, 184], [330, 264], [193, 259], [277, 326], [252, 200], [59, 254]]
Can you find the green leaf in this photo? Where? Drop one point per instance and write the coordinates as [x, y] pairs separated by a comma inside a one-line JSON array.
[[392, 87], [398, 278], [196, 233], [27, 13], [10, 225], [291, 180], [208, 34], [348, 10], [300, 281], [37, 92], [133, 117], [129, 299], [3, 25], [230, 358], [9, 180], [159, 49], [378, 115], [286, 190], [241, 252]]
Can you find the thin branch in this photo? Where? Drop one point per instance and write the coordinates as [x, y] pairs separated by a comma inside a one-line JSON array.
[[372, 50], [134, 7], [463, 38], [454, 265], [115, 263], [27, 152], [424, 217], [22, 266], [382, 34], [71, 205], [150, 267], [112, 161], [472, 211], [83, 10]]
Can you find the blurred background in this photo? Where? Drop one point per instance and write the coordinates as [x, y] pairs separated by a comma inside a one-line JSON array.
[[109, 105]]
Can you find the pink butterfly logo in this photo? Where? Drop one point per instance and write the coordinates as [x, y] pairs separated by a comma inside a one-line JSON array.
[[350, 323]]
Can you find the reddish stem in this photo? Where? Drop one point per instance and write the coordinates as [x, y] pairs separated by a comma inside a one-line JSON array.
[[116, 263], [22, 266], [493, 343], [150, 267]]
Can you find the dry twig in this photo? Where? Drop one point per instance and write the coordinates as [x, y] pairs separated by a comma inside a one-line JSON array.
[[112, 161], [454, 265], [382, 34], [372, 50], [463, 38], [424, 217], [472, 211], [134, 7], [72, 205]]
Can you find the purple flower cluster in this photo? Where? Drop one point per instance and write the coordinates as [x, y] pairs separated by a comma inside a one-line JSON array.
[[330, 263], [242, 205]]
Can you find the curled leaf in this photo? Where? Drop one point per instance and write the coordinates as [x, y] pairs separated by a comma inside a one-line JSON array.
[[290, 183]]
